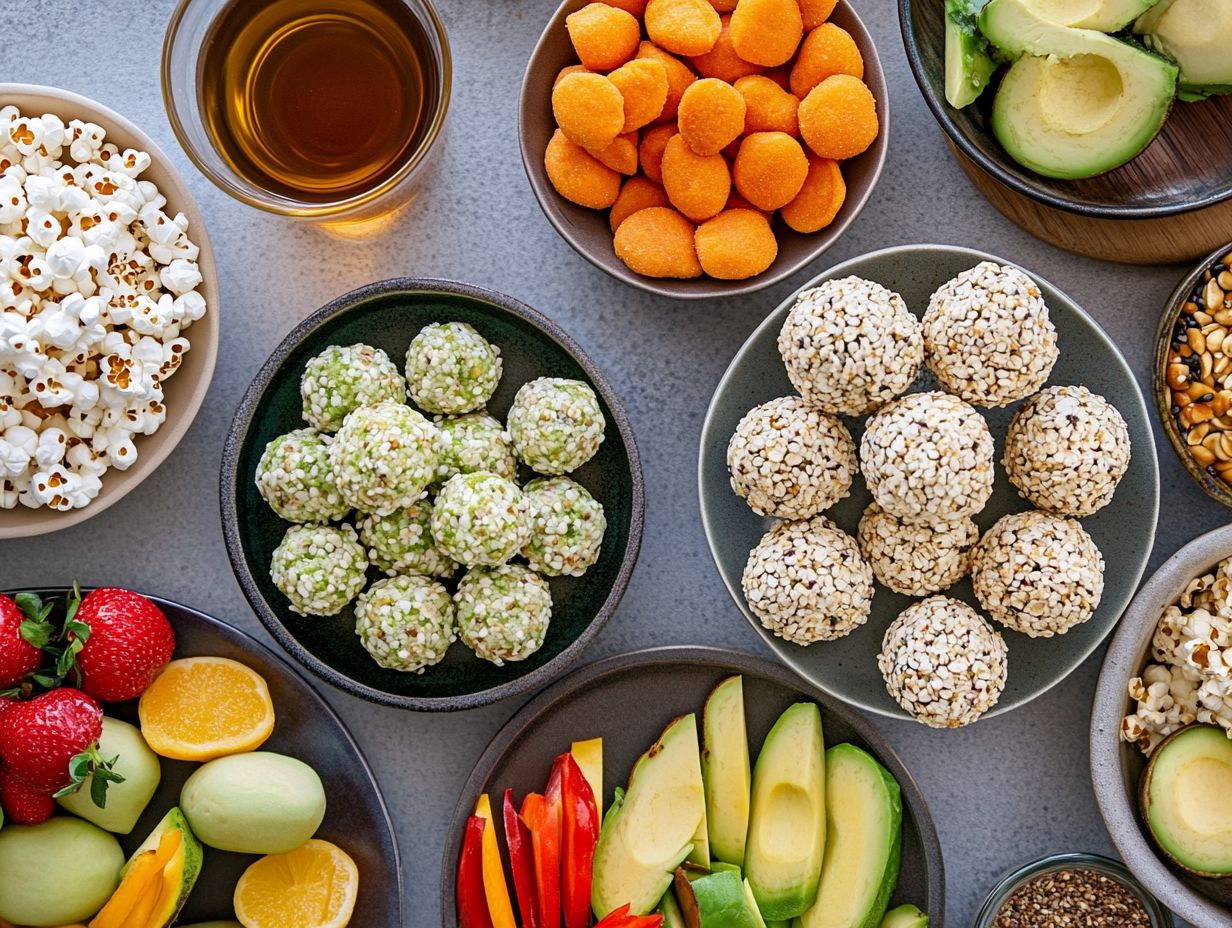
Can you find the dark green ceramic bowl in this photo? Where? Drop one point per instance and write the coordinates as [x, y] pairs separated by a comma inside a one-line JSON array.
[[388, 315]]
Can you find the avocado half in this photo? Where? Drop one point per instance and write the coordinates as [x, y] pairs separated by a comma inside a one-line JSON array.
[[1197, 34], [1183, 800]]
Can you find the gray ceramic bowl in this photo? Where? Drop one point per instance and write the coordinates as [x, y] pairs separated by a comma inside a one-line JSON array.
[[628, 699], [1124, 530], [587, 231], [1116, 767]]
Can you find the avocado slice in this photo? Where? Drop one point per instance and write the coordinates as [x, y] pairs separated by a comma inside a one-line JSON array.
[[1197, 34], [725, 770], [905, 916], [865, 811], [723, 903], [1100, 15], [1185, 771], [752, 903], [787, 818], [650, 827], [969, 61]]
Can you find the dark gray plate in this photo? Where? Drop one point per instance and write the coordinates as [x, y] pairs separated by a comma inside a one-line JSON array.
[[628, 699]]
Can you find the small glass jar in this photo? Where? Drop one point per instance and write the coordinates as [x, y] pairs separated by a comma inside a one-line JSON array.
[[1114, 870]]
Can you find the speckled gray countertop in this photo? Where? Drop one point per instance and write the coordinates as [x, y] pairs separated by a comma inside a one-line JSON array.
[[1005, 791]]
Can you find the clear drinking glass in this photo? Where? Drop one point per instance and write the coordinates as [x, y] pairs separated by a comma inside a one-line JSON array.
[[184, 50]]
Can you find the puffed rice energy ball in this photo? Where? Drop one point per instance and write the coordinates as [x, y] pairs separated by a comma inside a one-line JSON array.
[[503, 612], [481, 519], [1037, 573], [987, 336], [384, 457], [915, 559], [1066, 451], [791, 460], [556, 425], [851, 346], [928, 457], [806, 582], [474, 442], [567, 527], [451, 368], [406, 623], [943, 663], [319, 568], [401, 542], [341, 379], [295, 478]]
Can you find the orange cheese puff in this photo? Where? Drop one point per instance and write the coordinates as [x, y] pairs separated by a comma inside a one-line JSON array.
[[819, 200], [767, 31], [638, 193], [621, 155], [722, 61], [650, 151], [567, 70], [683, 27], [603, 36], [697, 185], [816, 12], [589, 109], [770, 169], [828, 49], [767, 106], [642, 83], [711, 115], [578, 176], [636, 7], [658, 242], [838, 118], [736, 244], [679, 76]]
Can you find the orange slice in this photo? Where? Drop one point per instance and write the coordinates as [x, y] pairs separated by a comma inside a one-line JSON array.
[[200, 708], [313, 886]]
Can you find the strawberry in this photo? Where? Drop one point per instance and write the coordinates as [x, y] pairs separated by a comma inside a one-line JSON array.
[[23, 632], [23, 805], [121, 641]]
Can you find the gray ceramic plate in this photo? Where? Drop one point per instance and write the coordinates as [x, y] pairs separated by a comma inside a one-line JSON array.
[[628, 699], [1116, 767], [356, 818], [1124, 530]]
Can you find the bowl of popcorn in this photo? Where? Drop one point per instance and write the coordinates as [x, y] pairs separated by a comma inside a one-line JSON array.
[[108, 308]]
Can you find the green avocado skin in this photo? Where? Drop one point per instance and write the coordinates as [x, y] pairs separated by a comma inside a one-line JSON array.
[[722, 903]]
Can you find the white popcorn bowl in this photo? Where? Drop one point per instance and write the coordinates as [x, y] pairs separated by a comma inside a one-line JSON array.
[[185, 391]]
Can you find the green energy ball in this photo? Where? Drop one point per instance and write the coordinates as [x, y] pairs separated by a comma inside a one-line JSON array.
[[567, 526], [319, 568], [295, 478], [451, 368], [503, 612], [556, 425], [406, 623], [401, 542], [384, 457], [472, 443], [481, 519], [340, 380]]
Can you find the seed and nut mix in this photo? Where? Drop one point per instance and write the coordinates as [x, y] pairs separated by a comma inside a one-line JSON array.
[[1072, 899]]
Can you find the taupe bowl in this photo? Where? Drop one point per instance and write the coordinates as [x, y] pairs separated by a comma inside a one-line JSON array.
[[1116, 767], [587, 231], [186, 390]]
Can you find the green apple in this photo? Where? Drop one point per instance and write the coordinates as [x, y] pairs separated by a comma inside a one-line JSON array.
[[125, 801]]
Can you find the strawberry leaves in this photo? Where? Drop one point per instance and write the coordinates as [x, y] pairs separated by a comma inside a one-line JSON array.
[[35, 629], [61, 644], [88, 762]]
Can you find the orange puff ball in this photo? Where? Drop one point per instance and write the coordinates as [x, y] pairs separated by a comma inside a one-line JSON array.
[[650, 150], [603, 36], [636, 7], [767, 31], [567, 70], [736, 244], [683, 27], [697, 185], [679, 76], [722, 61], [770, 169], [621, 155], [827, 50], [819, 200], [642, 83], [578, 176], [711, 115], [767, 106], [589, 109], [658, 242], [816, 12], [638, 193], [838, 118]]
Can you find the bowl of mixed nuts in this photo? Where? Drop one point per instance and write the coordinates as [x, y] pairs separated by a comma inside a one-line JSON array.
[[1193, 374]]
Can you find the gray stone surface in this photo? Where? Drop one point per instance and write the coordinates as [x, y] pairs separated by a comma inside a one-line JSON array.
[[1008, 790]]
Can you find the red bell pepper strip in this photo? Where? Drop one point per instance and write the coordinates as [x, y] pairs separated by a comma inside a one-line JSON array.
[[471, 899], [579, 835], [521, 863], [620, 918], [543, 819]]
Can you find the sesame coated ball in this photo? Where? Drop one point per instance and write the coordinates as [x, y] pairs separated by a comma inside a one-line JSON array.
[[319, 568], [451, 368], [556, 425], [474, 442], [806, 582], [503, 612], [987, 336], [928, 457], [401, 542], [851, 346], [341, 379], [1066, 451], [295, 478], [481, 519], [943, 663], [791, 460], [406, 623], [915, 559], [567, 527], [384, 457], [1037, 573]]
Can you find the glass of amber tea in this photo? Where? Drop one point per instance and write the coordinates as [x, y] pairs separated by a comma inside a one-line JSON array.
[[324, 109]]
